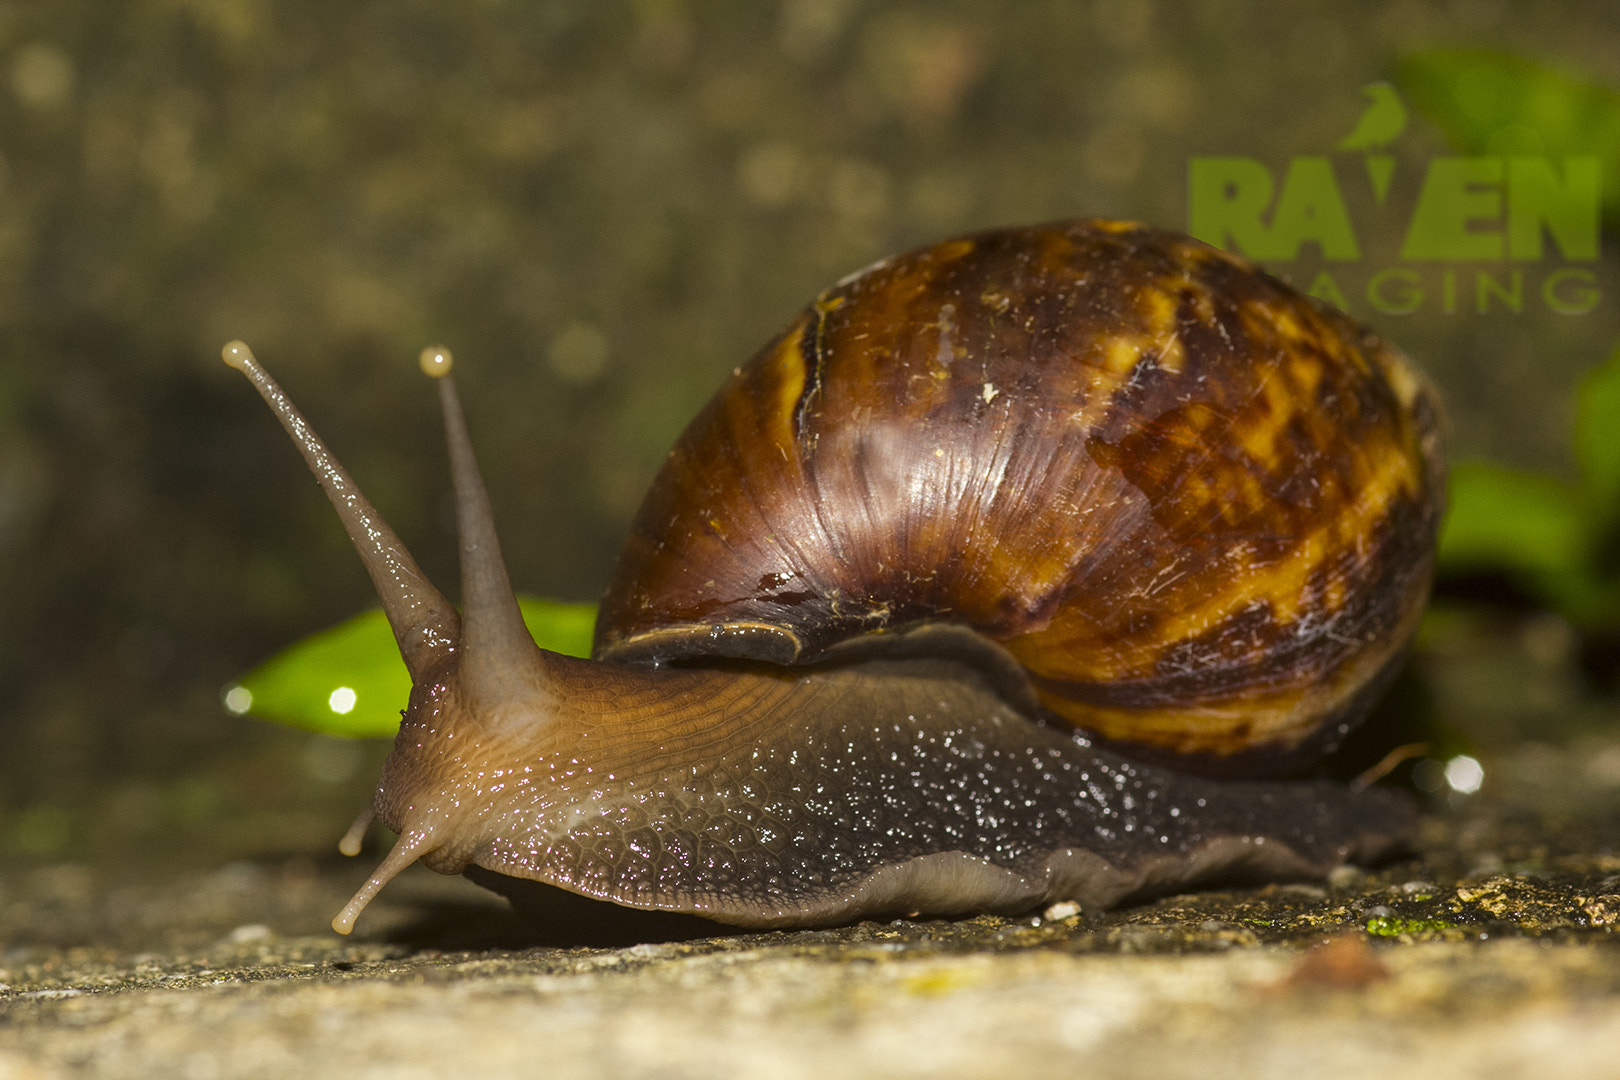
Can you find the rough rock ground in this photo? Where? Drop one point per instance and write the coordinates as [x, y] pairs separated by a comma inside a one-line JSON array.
[[1496, 952]]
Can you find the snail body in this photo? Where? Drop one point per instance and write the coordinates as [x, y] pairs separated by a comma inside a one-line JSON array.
[[925, 601]]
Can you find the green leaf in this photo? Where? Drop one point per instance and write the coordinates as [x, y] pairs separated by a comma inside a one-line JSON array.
[[1490, 102], [349, 680], [558, 627], [1518, 522]]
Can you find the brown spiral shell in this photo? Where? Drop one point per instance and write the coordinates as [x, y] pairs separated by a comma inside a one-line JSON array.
[[1197, 507]]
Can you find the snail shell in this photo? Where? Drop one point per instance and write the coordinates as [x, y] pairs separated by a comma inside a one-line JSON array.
[[986, 518], [1196, 508]]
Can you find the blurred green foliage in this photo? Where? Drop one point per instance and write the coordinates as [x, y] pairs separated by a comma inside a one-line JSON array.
[[1555, 539], [349, 680], [1488, 102]]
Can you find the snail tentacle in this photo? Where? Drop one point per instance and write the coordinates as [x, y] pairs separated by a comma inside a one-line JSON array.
[[407, 849], [424, 624], [355, 838], [499, 663]]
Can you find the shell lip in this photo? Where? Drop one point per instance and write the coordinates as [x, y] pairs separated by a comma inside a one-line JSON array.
[[696, 640], [717, 644]]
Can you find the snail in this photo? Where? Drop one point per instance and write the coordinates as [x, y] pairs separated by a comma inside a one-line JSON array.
[[1016, 571]]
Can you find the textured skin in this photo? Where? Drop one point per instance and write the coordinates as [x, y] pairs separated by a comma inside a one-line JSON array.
[[879, 788], [1196, 506]]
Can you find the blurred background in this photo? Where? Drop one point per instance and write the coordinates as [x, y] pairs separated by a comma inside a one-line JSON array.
[[602, 207]]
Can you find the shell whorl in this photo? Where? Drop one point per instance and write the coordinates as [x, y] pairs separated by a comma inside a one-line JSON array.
[[1195, 506]]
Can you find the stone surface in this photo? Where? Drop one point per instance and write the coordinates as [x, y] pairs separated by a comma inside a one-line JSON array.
[[1495, 952]]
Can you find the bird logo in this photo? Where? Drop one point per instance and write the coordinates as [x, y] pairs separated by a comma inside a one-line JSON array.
[[1381, 122]]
